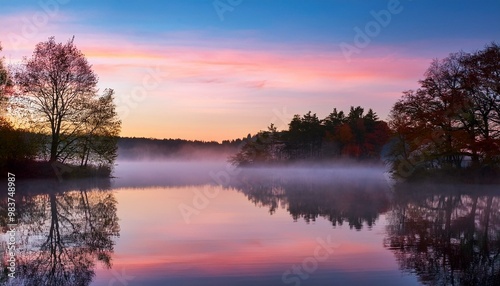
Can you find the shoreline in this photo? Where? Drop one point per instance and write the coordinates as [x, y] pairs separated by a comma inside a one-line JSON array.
[[31, 169]]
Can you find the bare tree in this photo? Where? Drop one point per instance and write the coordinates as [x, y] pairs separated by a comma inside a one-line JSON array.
[[56, 83]]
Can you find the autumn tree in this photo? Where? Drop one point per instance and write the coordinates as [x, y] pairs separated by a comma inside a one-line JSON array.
[[482, 85], [57, 88], [451, 121], [357, 135], [376, 137]]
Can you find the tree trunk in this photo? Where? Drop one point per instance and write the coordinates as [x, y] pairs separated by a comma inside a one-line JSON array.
[[53, 147], [87, 157], [83, 155]]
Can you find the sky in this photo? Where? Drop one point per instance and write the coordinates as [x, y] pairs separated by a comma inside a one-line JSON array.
[[220, 69]]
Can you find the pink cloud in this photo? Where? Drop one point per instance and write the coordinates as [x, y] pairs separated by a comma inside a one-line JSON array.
[[261, 69]]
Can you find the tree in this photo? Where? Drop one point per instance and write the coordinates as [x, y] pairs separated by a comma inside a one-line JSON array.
[[4, 124], [332, 146], [333, 120], [482, 84], [16, 144], [5, 88], [100, 131], [57, 88], [304, 136], [452, 120], [362, 135], [264, 147]]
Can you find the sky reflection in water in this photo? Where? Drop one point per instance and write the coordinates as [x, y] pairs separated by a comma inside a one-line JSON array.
[[258, 226], [266, 227]]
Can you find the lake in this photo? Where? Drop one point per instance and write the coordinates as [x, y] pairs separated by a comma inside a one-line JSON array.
[[205, 223]]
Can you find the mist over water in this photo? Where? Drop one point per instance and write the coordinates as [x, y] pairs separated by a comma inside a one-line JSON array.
[[178, 172], [165, 173], [141, 149]]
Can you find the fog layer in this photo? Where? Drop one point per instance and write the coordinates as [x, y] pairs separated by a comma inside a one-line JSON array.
[[219, 172]]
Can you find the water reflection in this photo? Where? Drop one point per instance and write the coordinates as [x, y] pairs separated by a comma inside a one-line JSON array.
[[442, 235], [354, 194], [446, 236], [350, 200], [63, 230]]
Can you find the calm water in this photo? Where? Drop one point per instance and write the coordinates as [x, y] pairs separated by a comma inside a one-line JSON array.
[[203, 224]]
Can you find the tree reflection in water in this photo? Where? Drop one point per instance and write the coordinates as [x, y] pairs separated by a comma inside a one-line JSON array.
[[63, 230], [341, 200], [446, 236]]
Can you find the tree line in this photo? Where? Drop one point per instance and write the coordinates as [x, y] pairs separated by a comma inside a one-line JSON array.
[[354, 135], [133, 148], [52, 111]]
